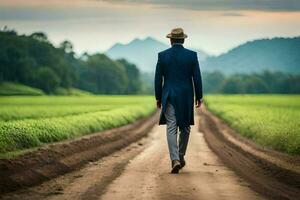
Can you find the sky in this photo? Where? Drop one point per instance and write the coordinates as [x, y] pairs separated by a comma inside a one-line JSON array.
[[214, 26]]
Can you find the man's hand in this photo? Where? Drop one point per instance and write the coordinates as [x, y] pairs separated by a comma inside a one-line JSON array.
[[198, 103], [158, 104]]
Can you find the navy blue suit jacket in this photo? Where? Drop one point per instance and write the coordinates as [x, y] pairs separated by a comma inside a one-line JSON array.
[[177, 78]]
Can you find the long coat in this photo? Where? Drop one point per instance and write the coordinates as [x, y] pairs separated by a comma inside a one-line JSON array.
[[177, 77]]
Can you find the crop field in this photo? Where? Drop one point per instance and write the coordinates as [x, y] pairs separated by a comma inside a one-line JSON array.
[[27, 122], [270, 120]]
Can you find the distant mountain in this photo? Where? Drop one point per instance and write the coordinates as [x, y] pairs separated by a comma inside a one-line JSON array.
[[277, 54], [143, 53]]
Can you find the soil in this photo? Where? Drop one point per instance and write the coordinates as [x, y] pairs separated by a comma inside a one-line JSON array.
[[142, 171]]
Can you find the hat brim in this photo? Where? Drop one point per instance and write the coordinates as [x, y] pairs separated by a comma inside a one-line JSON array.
[[174, 37]]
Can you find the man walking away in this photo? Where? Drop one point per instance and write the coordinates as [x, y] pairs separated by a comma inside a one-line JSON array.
[[177, 78]]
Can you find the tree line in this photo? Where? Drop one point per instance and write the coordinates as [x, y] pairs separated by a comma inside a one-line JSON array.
[[32, 60], [256, 83]]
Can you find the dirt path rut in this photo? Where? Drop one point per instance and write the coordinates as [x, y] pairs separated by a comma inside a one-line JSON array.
[[205, 177]]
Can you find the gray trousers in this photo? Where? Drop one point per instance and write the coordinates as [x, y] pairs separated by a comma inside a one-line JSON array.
[[172, 128]]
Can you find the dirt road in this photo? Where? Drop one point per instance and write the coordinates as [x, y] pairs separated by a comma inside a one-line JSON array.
[[142, 171]]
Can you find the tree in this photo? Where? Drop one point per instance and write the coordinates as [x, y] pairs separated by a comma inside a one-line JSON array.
[[9, 31], [66, 46], [254, 85], [133, 76], [103, 75], [212, 81], [40, 36], [233, 85], [28, 60], [291, 84], [47, 79]]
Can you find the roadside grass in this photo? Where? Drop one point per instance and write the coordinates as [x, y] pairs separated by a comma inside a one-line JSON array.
[[28, 122], [7, 89], [272, 121]]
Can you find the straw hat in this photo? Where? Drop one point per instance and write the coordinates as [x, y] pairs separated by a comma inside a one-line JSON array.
[[177, 33]]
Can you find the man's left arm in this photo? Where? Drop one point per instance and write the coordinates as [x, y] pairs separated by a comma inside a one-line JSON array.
[[197, 81]]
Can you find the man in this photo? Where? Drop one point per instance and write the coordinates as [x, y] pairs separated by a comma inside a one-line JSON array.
[[177, 76]]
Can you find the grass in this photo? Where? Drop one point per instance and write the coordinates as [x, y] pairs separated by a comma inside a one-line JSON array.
[[270, 120], [15, 89], [71, 92], [27, 122], [7, 89]]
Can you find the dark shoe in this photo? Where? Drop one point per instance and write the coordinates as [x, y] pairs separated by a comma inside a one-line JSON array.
[[175, 166], [182, 162]]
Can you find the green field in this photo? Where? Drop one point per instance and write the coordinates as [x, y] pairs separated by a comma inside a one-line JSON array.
[[27, 122], [8, 89], [270, 120], [15, 89]]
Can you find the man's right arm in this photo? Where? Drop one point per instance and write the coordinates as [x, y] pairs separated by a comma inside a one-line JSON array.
[[158, 82]]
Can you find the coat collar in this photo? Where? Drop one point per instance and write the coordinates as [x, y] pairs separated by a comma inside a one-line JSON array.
[[177, 45]]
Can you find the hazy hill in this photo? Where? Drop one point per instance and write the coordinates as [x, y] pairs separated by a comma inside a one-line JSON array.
[[142, 52], [277, 54]]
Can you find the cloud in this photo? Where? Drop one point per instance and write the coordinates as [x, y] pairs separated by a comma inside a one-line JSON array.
[[264, 5], [232, 14]]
